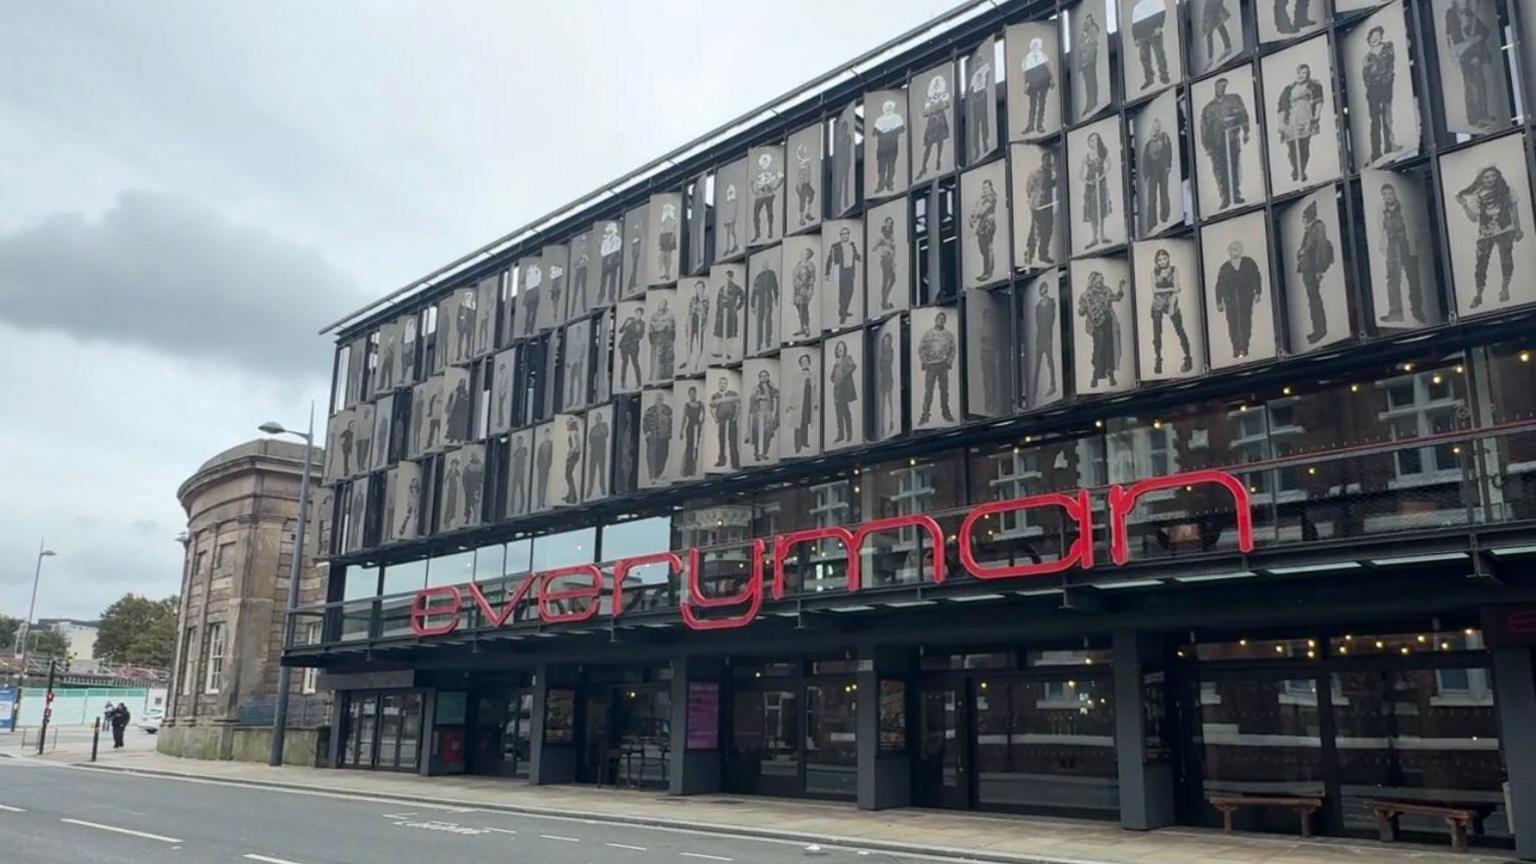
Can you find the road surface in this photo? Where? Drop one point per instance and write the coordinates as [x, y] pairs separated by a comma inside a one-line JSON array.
[[51, 813]]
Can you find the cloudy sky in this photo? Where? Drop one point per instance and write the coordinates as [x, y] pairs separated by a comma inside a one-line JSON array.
[[191, 190]]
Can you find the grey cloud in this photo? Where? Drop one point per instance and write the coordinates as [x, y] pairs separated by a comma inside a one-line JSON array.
[[167, 274]]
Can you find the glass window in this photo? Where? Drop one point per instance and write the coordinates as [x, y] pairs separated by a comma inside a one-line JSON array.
[[189, 660], [312, 636], [454, 569], [405, 576], [1046, 745], [565, 549], [360, 582], [1256, 736], [830, 729], [490, 562], [214, 662]]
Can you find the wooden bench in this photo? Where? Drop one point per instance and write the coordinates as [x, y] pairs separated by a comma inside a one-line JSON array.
[[1459, 818], [1303, 806]]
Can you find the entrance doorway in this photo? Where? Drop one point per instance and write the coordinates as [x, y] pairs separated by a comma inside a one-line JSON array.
[[626, 734], [502, 732], [381, 730]]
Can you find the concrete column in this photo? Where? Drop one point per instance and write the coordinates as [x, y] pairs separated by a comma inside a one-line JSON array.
[[1515, 692], [884, 776], [550, 762], [1146, 770], [696, 771]]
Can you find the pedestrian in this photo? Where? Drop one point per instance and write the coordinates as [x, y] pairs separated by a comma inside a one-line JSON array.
[[120, 718]]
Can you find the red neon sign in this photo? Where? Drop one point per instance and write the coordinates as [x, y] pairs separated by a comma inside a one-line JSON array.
[[435, 611]]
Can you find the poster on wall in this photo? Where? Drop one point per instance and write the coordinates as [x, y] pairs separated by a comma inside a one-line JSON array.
[[1401, 253], [1474, 86], [543, 467], [800, 431], [802, 307], [985, 252], [658, 427], [730, 210], [456, 405], [559, 716], [578, 291], [1228, 166], [697, 254], [1034, 80], [632, 350], [703, 715], [530, 279], [1090, 60], [552, 310], [1159, 166], [486, 292], [688, 403], [1040, 314], [842, 273], [1383, 115], [1312, 255], [935, 368], [1154, 43], [764, 407], [356, 515], [980, 102], [1303, 120], [842, 362], [722, 424], [408, 325], [416, 442], [520, 473], [764, 277], [385, 373], [802, 202], [889, 379], [463, 485], [1104, 329], [1287, 19], [1239, 310], [661, 335], [988, 354], [383, 422], [931, 107], [691, 333], [503, 378], [610, 257], [576, 358], [888, 276], [844, 193], [725, 340], [885, 144], [1488, 218], [1038, 231], [1097, 186], [637, 233], [602, 357], [1170, 341], [599, 446], [403, 504], [331, 472], [765, 193], [362, 427], [570, 438], [664, 219]]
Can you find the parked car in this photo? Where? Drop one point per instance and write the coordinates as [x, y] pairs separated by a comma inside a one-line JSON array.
[[150, 722]]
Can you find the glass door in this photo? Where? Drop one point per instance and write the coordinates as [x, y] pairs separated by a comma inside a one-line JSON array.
[[831, 731], [764, 756], [389, 731], [367, 716], [944, 739]]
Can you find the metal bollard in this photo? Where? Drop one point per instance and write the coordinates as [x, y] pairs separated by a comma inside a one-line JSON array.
[[95, 736]]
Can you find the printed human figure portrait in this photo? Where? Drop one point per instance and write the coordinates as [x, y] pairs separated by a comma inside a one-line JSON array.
[[1098, 186], [632, 349], [1240, 312], [601, 360], [1304, 136], [543, 467], [1316, 293], [503, 380], [730, 205], [356, 508], [388, 364], [405, 373], [885, 143], [763, 408], [802, 311], [1170, 341], [889, 379], [1154, 32], [575, 359], [637, 222], [465, 318], [1401, 254], [1040, 309], [1159, 171], [697, 218], [383, 424], [530, 279], [610, 256], [661, 335], [726, 342], [985, 253], [931, 105], [764, 272], [1474, 87], [447, 344], [520, 473], [1383, 114], [1033, 80], [800, 369], [691, 336], [552, 309], [844, 179], [1090, 60], [416, 439], [722, 450], [463, 487], [842, 273], [1038, 210], [766, 179], [1228, 170], [1488, 218], [456, 405], [550, 394], [1103, 329], [362, 443], [980, 102], [599, 452], [935, 365], [332, 471], [569, 438], [842, 363], [404, 522], [1286, 19], [888, 273], [666, 222], [803, 203], [1216, 30], [688, 400], [988, 354], [486, 292]]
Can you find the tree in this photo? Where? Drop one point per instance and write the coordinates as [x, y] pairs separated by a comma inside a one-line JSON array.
[[139, 631], [8, 627], [47, 643]]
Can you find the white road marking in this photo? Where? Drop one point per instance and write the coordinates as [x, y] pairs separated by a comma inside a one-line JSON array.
[[9, 809], [623, 846], [100, 827], [500, 830], [558, 837], [252, 856], [398, 815], [705, 857]]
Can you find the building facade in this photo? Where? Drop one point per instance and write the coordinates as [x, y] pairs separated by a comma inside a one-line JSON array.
[[242, 511], [1073, 410]]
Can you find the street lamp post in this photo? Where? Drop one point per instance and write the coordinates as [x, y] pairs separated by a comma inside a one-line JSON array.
[[26, 634], [284, 672]]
